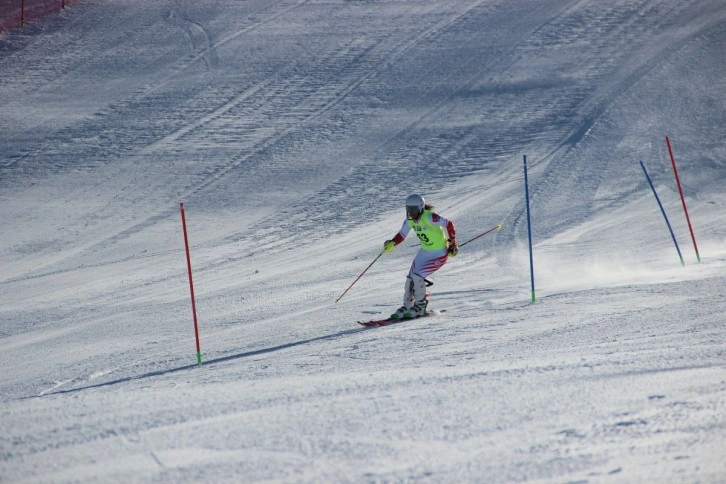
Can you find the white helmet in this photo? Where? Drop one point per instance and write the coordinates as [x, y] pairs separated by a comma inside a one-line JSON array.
[[415, 206]]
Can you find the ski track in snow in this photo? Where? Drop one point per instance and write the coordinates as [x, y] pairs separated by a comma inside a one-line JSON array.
[[293, 130]]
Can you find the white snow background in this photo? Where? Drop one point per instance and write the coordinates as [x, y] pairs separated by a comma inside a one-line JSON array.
[[293, 130]]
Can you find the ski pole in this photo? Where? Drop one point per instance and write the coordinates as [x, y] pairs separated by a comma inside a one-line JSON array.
[[481, 235], [361, 275]]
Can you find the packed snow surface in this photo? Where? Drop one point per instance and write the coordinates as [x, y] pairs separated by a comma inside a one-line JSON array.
[[292, 131]]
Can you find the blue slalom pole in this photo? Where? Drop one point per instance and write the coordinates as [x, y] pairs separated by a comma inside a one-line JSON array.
[[529, 227], [663, 212]]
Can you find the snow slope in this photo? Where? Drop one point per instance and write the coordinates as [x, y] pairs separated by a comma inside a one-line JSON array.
[[293, 130]]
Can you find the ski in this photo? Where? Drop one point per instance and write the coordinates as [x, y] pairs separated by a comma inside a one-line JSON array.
[[387, 321]]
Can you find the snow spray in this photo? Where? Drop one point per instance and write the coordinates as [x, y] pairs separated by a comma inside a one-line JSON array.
[[683, 200], [191, 283], [529, 227], [657, 199]]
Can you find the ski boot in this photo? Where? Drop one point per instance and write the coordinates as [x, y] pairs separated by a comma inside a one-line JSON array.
[[417, 310], [400, 313]]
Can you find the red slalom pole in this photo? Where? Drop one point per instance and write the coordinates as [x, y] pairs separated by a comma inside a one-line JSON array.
[[191, 284], [683, 199]]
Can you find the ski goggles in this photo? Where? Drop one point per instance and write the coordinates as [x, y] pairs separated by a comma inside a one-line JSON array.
[[413, 211]]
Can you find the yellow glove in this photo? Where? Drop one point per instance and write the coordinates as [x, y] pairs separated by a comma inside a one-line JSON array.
[[388, 246]]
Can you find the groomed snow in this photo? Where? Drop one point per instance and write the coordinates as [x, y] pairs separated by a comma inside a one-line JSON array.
[[293, 130]]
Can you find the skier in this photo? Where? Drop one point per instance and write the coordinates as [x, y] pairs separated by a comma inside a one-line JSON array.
[[436, 247]]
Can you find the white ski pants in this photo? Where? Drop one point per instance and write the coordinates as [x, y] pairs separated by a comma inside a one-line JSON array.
[[424, 264]]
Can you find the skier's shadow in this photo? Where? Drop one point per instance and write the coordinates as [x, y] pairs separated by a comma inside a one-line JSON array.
[[222, 359]]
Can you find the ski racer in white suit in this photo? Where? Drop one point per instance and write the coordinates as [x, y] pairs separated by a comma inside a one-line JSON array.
[[438, 241]]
